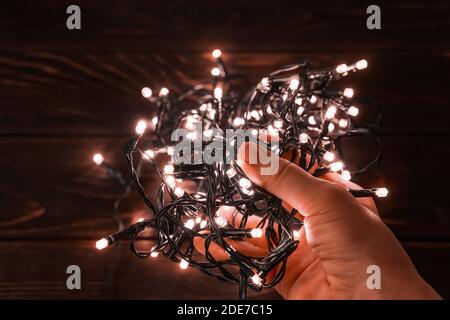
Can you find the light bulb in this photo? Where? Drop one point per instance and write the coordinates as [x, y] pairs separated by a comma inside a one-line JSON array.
[[220, 221], [231, 173], [257, 280], [381, 192], [272, 130], [203, 224], [303, 138], [171, 181], [269, 110], [293, 84], [168, 169], [184, 264], [342, 68], [238, 121], [330, 127], [296, 234], [218, 93], [313, 99], [331, 112], [245, 183], [154, 254], [208, 133], [140, 219], [155, 121], [146, 92], [361, 64], [141, 126], [216, 53], [170, 151], [278, 124], [189, 224], [179, 192], [348, 92], [98, 158], [298, 101], [256, 233], [336, 166], [198, 220], [255, 114], [353, 111], [148, 154], [311, 120], [163, 92], [254, 132], [343, 123], [328, 156], [102, 244], [346, 175], [215, 72]]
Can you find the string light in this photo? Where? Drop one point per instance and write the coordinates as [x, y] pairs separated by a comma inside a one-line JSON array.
[[293, 102], [98, 159]]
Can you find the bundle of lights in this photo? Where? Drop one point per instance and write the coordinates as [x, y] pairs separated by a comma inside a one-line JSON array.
[[294, 103]]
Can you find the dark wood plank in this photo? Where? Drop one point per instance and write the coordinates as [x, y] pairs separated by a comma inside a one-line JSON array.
[[47, 93], [239, 25], [26, 265], [51, 188]]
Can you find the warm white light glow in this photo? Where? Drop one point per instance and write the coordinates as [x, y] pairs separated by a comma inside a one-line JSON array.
[[170, 151], [154, 254], [163, 92], [343, 123], [220, 221], [238, 121], [269, 110], [171, 181], [313, 99], [296, 234], [311, 120], [155, 121], [101, 244], [381, 192], [168, 169], [256, 280], [346, 175], [353, 111], [245, 183], [293, 84], [141, 126], [330, 127], [216, 53], [140, 219], [265, 82], [303, 138], [149, 154], [189, 224], [342, 68], [278, 124], [184, 264], [98, 158], [218, 93], [298, 101], [215, 72], [231, 173], [300, 110], [328, 156], [146, 92], [203, 224], [208, 133], [255, 114], [256, 233], [336, 166], [179, 192], [331, 112], [361, 64], [348, 92]]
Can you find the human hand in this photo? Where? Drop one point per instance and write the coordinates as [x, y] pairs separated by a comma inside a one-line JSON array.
[[342, 236]]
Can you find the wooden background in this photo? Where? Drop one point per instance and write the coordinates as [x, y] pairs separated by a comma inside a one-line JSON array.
[[66, 94]]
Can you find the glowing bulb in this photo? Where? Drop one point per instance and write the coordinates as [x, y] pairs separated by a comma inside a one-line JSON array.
[[215, 72], [269, 110], [343, 123], [342, 68], [255, 114], [331, 112], [311, 120], [218, 93], [102, 244], [361, 64], [146, 92], [170, 180], [330, 127], [208, 133], [179, 192], [140, 219], [245, 183], [216, 53], [293, 84], [278, 124], [313, 99], [168, 169], [203, 224], [170, 151], [155, 121], [328, 156], [353, 111], [336, 166], [141, 126], [221, 222], [98, 158], [238, 121], [163, 92], [381, 192], [303, 138], [184, 264], [254, 132], [149, 154], [265, 82], [296, 234], [231, 173], [298, 101], [272, 130], [256, 280], [346, 175], [256, 233], [348, 92], [154, 254], [190, 224]]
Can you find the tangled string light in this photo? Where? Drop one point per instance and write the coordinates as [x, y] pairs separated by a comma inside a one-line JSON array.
[[295, 103]]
